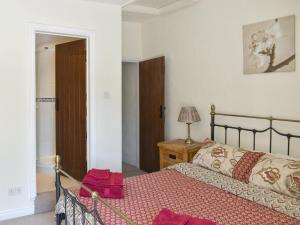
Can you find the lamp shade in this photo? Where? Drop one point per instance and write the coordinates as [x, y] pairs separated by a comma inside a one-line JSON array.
[[189, 114]]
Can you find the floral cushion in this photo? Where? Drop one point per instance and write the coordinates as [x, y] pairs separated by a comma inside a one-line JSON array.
[[218, 157], [278, 174]]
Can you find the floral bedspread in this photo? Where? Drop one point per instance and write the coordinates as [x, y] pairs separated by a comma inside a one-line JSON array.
[[196, 191]]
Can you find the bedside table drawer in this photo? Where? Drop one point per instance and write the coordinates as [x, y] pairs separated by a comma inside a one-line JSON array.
[[172, 156]]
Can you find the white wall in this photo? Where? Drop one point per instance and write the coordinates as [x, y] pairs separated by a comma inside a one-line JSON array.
[[131, 41], [130, 112], [204, 63], [15, 88]]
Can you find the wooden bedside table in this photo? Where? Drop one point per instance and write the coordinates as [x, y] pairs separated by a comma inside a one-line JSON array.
[[176, 151]]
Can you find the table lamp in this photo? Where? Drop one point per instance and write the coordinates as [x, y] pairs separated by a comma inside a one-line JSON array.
[[189, 115]]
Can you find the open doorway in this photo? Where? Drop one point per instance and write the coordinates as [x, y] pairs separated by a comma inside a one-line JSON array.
[[61, 112], [130, 118], [143, 114]]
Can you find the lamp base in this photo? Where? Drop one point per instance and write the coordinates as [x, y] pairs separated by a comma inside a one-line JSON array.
[[189, 141]]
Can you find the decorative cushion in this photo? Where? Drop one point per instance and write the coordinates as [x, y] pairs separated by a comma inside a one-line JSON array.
[[243, 168], [228, 160], [278, 174]]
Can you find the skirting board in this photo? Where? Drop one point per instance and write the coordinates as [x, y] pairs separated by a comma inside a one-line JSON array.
[[15, 213]]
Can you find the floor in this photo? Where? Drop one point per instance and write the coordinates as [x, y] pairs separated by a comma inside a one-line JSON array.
[[46, 182], [38, 219], [46, 198], [130, 171]]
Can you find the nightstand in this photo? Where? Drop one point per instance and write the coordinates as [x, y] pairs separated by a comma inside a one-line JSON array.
[[176, 151]]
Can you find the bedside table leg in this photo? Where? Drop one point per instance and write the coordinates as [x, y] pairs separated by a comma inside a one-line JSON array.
[[185, 158], [160, 160]]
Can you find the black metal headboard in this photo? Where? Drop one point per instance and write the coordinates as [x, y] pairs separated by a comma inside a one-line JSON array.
[[254, 131]]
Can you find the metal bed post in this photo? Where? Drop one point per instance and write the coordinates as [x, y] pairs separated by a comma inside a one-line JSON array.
[[59, 217], [212, 121], [95, 197], [57, 177], [271, 129]]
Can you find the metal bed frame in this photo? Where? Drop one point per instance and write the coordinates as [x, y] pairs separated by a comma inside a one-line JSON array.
[[96, 198], [254, 131]]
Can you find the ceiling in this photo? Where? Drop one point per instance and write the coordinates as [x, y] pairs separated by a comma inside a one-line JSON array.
[[157, 4], [142, 10], [114, 2], [47, 39]]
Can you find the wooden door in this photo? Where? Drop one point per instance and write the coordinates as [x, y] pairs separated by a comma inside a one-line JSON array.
[[152, 73], [71, 107]]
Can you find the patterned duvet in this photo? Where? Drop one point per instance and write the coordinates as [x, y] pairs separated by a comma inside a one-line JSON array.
[[196, 191]]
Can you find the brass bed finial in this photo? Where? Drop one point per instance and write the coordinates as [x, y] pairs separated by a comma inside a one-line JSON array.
[[212, 109], [57, 162], [95, 195]]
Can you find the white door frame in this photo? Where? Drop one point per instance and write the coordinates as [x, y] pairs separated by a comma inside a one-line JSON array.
[[89, 35]]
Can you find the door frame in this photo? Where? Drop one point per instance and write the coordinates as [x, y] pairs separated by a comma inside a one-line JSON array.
[[89, 35], [137, 63]]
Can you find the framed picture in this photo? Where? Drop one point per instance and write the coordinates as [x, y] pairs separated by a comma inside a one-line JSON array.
[[269, 46]]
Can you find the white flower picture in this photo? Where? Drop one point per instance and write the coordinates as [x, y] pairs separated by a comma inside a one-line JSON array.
[[269, 46]]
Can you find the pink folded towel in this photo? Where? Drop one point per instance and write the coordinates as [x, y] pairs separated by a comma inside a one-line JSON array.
[[99, 174], [114, 179], [104, 192], [95, 176], [167, 217], [106, 183]]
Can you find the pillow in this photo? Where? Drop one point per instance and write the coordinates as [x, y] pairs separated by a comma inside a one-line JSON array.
[[278, 174], [278, 155], [228, 160]]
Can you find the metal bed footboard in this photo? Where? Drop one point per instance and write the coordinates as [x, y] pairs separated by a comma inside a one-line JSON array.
[[96, 218]]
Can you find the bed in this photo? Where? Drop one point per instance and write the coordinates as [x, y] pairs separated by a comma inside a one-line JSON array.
[[188, 188]]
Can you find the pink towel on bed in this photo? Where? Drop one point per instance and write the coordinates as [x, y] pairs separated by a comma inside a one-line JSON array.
[[95, 177], [99, 174], [106, 183], [167, 217]]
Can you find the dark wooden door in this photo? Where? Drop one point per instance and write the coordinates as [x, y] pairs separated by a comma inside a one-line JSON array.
[[71, 107], [152, 93]]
